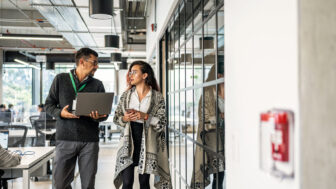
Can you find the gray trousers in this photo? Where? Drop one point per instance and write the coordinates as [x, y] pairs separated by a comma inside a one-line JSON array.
[[67, 152]]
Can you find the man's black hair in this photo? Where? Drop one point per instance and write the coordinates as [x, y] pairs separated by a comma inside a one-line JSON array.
[[84, 52]]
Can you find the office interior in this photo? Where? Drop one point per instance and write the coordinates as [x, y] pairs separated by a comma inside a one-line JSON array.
[[248, 85]]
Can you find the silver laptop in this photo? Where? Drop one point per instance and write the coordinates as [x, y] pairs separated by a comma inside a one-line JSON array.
[[4, 134], [88, 102]]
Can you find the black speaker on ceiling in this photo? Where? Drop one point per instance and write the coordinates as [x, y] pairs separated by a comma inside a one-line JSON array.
[[112, 41], [101, 9], [50, 65], [123, 65], [208, 42], [115, 57]]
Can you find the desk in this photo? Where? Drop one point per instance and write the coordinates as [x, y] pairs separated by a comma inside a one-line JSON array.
[[31, 133], [30, 163]]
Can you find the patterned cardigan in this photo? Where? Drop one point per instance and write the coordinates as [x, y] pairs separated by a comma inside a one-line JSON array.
[[153, 153]]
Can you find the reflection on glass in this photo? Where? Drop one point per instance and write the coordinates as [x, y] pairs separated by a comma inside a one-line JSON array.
[[209, 6], [210, 133], [183, 159], [189, 160], [189, 69], [196, 118], [198, 53], [176, 32], [182, 24], [209, 47], [176, 112], [189, 17], [182, 67], [177, 71], [182, 114], [189, 114], [220, 40]]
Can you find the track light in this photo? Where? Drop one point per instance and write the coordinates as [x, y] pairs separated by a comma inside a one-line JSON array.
[[32, 37], [26, 63]]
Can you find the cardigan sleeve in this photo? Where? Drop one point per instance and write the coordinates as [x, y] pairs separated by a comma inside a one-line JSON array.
[[8, 159], [158, 117]]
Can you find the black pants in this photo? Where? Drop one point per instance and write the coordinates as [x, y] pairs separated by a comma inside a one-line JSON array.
[[128, 173], [136, 136], [128, 178], [220, 178]]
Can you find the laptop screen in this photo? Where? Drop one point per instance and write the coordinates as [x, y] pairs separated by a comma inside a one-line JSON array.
[[4, 138]]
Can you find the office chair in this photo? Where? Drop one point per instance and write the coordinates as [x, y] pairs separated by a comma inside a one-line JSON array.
[[38, 124]]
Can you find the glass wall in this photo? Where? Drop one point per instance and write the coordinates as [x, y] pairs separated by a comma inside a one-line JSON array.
[[194, 44]]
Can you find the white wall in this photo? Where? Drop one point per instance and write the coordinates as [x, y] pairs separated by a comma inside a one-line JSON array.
[[317, 93], [261, 70], [164, 9]]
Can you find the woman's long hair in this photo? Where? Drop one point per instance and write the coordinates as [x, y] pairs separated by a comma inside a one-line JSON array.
[[145, 68]]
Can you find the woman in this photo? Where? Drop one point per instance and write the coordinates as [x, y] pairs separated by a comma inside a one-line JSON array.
[[141, 111], [208, 135]]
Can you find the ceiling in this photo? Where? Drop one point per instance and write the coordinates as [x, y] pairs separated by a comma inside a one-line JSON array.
[[70, 18]]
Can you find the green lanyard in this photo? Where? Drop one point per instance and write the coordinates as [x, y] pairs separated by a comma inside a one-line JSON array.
[[74, 85]]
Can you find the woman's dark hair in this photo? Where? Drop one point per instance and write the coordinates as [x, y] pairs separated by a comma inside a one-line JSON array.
[[145, 68]]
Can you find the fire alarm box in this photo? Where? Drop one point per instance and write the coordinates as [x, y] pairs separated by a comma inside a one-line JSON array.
[[277, 142]]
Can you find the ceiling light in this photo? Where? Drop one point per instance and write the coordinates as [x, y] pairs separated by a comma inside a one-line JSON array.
[[112, 41], [101, 9], [50, 65], [115, 57], [26, 63], [32, 37], [123, 65], [208, 42]]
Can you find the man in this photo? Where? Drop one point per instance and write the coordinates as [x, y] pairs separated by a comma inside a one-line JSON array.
[[76, 137], [5, 114]]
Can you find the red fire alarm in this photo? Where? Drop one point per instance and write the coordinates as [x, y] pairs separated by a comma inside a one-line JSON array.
[[153, 27]]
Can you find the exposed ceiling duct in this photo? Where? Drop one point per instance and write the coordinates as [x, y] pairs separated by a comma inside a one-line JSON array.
[[52, 17], [59, 18]]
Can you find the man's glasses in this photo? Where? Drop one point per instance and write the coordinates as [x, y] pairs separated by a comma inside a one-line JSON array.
[[94, 62]]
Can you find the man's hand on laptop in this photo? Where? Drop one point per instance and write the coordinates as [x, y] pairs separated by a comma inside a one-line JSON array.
[[66, 114], [95, 115]]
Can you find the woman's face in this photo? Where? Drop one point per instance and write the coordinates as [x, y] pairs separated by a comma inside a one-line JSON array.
[[136, 76]]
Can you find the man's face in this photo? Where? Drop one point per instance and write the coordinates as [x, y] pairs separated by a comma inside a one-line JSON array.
[[90, 65]]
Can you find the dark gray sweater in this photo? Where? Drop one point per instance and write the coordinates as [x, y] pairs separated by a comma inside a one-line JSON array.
[[84, 129]]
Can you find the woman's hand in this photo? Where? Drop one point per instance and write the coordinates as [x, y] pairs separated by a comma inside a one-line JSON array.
[[140, 115], [129, 117]]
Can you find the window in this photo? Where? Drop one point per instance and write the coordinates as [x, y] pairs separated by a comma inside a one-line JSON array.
[[195, 97]]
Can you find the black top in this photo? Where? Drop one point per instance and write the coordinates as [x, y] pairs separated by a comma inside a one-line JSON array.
[[84, 129]]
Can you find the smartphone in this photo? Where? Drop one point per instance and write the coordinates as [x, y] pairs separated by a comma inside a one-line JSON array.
[[129, 110]]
